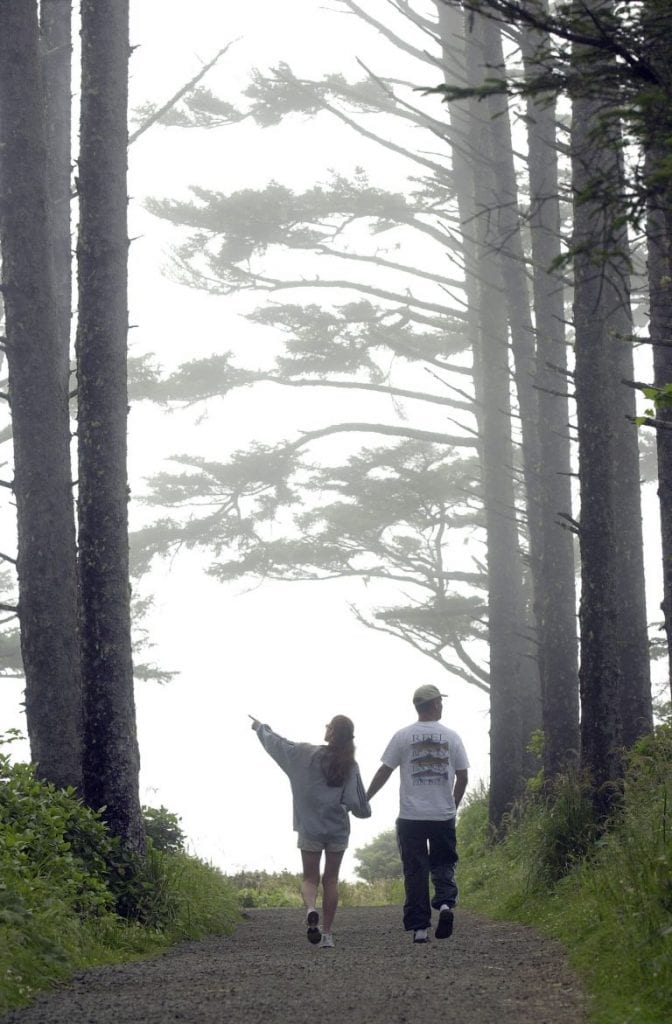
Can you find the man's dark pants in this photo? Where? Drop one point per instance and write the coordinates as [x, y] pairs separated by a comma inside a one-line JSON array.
[[428, 849]]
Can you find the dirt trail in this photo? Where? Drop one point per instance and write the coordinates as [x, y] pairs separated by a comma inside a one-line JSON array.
[[486, 973]]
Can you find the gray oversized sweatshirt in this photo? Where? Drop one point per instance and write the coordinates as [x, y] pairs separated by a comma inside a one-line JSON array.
[[320, 811]]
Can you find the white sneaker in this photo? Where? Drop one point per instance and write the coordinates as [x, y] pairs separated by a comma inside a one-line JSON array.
[[420, 935], [327, 941]]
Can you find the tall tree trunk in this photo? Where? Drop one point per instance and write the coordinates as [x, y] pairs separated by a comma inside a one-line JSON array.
[[111, 762], [46, 563], [509, 656], [597, 296], [504, 239], [489, 337], [657, 132], [659, 232], [635, 707], [556, 597], [56, 35], [545, 450]]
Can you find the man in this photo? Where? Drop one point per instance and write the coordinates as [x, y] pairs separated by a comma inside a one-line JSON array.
[[433, 766]]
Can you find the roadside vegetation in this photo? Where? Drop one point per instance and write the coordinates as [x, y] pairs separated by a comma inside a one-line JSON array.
[[70, 898], [260, 889], [607, 897]]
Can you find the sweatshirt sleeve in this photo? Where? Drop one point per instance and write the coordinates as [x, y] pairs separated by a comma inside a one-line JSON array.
[[278, 747], [354, 795]]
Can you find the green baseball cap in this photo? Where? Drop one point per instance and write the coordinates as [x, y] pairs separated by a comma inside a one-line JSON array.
[[425, 693]]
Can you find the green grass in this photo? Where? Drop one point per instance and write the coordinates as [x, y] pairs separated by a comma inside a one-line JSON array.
[[63, 881], [43, 940], [261, 889], [607, 898]]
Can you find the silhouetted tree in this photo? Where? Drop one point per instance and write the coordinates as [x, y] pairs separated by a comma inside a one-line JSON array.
[[38, 392], [111, 757]]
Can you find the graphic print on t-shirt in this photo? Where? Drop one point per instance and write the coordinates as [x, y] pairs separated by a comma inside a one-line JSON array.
[[430, 755]]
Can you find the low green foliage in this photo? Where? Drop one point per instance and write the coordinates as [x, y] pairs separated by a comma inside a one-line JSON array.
[[261, 889], [380, 893], [69, 897], [283, 889], [607, 896]]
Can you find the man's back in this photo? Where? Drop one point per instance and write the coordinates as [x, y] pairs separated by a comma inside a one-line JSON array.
[[427, 755]]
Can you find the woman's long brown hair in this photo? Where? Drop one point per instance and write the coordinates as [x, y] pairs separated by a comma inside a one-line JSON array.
[[339, 754]]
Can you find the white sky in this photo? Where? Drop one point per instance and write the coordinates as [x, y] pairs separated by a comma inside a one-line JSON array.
[[290, 654]]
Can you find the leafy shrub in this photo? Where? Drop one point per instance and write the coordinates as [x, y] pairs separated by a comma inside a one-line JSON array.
[[64, 882], [163, 828], [139, 886], [50, 842], [52, 880]]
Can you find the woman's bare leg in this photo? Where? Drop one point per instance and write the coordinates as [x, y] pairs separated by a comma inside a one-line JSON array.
[[311, 877], [332, 865]]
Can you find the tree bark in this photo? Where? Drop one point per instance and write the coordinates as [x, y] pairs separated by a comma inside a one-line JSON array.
[[555, 599], [657, 129], [56, 36], [486, 317], [46, 562], [635, 706], [597, 296], [545, 444], [503, 239], [659, 234], [111, 761]]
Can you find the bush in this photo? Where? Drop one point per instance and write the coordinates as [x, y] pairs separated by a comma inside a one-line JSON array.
[[50, 843], [64, 880], [163, 828], [607, 894], [52, 880]]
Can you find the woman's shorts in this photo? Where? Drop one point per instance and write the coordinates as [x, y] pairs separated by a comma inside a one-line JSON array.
[[311, 844]]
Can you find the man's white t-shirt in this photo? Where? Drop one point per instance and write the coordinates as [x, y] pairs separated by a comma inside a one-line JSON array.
[[427, 754]]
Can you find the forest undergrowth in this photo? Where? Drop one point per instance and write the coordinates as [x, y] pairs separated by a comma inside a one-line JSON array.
[[69, 898]]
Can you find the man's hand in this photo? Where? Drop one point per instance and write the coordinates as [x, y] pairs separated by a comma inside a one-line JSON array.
[[378, 780], [255, 722], [461, 779]]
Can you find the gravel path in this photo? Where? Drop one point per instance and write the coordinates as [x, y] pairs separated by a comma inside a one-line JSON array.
[[487, 973]]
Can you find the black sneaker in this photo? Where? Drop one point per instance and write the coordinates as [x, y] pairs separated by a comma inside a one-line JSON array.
[[420, 935], [444, 927], [313, 922]]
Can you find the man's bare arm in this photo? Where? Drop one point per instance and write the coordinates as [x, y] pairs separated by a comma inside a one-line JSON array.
[[461, 779], [378, 780]]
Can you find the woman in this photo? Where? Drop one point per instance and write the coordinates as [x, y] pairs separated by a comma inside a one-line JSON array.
[[326, 784]]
